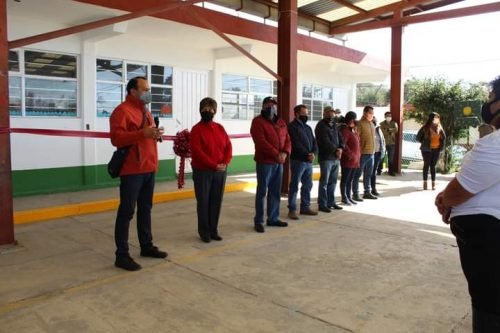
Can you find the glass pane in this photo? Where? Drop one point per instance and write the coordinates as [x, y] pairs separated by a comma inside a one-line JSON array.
[[136, 70], [230, 111], [308, 103], [50, 98], [261, 86], [108, 96], [327, 94], [49, 64], [317, 110], [234, 83], [275, 88], [162, 102], [318, 93], [109, 70], [240, 99], [15, 96], [161, 75], [13, 61], [306, 91]]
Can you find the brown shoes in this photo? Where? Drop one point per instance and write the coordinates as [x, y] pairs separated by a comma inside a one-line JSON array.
[[293, 216], [309, 212]]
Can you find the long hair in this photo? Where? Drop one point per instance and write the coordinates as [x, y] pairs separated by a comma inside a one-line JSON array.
[[429, 124]]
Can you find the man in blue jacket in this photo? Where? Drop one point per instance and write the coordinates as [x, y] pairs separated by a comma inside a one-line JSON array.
[[304, 149]]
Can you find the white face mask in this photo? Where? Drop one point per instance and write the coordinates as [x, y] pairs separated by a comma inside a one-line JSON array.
[[388, 119]]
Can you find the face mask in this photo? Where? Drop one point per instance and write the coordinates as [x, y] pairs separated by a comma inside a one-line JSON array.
[[269, 112], [207, 116], [146, 97], [388, 119], [303, 119]]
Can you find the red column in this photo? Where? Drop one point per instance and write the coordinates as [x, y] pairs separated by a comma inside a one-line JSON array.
[[396, 89], [287, 68], [6, 211]]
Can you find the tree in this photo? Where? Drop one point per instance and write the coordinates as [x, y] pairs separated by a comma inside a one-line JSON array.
[[372, 94], [439, 95]]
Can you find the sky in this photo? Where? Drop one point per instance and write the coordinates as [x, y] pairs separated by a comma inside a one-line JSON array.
[[464, 48]]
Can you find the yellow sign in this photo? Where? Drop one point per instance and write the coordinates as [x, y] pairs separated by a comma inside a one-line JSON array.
[[467, 111]]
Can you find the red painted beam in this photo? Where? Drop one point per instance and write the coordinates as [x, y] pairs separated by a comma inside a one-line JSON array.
[[212, 27], [287, 69], [98, 24], [6, 203], [396, 89], [421, 18], [236, 26]]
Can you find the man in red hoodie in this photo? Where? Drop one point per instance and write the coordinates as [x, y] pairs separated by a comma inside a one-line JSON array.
[[131, 125], [272, 147]]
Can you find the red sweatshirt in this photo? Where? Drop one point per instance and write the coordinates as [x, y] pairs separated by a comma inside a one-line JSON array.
[[125, 129], [210, 145], [270, 139]]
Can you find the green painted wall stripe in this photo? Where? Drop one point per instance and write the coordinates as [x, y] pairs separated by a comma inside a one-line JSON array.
[[69, 179]]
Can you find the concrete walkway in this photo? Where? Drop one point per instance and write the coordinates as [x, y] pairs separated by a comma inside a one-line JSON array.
[[386, 265]]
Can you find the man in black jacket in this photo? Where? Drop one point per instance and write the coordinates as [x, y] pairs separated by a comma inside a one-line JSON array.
[[330, 145], [304, 149]]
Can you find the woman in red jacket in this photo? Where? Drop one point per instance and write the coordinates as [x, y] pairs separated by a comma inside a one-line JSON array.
[[350, 157], [211, 152]]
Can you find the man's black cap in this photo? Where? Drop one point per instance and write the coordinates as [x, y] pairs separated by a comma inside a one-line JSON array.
[[269, 99]]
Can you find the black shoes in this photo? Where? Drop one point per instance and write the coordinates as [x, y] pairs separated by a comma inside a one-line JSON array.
[[259, 227], [324, 209], [369, 196], [335, 206], [153, 252], [356, 198], [346, 202], [308, 211], [216, 237], [127, 263], [278, 223], [205, 239], [375, 192]]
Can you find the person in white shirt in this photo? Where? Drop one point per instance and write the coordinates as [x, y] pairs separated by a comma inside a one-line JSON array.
[[471, 204]]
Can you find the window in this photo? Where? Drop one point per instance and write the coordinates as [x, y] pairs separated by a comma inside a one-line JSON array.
[[316, 97], [42, 84], [113, 75], [242, 96]]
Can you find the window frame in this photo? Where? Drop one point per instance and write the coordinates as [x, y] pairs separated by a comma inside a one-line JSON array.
[[23, 76]]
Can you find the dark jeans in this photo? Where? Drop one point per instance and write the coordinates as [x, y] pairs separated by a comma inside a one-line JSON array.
[[390, 158], [134, 189], [269, 177], [478, 239], [376, 162], [209, 190], [329, 171], [365, 168], [346, 180], [300, 172], [430, 160]]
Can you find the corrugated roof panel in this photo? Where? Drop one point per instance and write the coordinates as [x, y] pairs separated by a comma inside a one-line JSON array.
[[302, 3], [338, 14], [319, 7], [372, 4]]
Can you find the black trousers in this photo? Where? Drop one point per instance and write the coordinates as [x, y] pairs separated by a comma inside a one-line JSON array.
[[134, 189], [209, 190], [478, 239], [430, 160]]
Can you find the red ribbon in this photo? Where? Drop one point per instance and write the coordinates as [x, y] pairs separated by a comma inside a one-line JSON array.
[[86, 134]]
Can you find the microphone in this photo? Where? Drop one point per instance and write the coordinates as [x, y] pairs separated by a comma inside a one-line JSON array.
[[157, 123]]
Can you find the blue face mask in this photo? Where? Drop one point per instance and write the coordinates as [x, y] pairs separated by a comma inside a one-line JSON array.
[[146, 97]]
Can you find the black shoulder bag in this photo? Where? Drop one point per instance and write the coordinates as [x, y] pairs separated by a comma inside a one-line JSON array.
[[116, 163]]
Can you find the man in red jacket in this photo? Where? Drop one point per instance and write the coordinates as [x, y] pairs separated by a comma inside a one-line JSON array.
[[131, 124], [272, 147]]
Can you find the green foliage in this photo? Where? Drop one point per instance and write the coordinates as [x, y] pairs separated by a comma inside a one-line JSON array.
[[439, 95], [371, 94]]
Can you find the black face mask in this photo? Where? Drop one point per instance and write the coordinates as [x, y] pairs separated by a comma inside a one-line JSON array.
[[207, 116], [304, 119]]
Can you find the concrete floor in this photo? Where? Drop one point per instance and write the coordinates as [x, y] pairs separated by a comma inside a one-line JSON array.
[[382, 266]]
